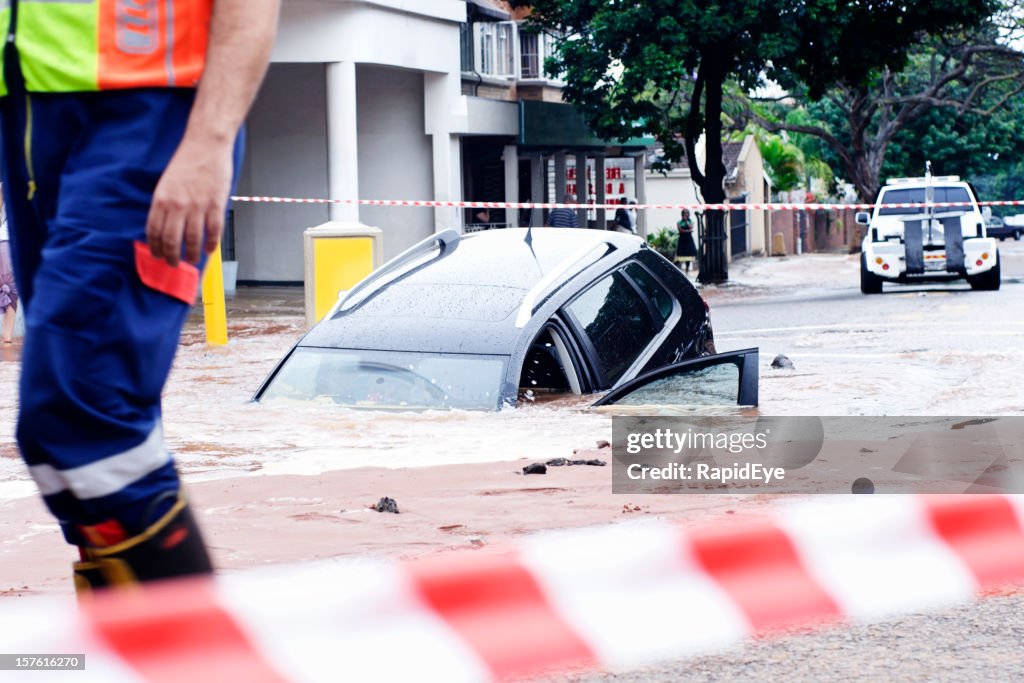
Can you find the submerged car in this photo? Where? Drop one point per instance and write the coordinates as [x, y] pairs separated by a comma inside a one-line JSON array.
[[485, 320]]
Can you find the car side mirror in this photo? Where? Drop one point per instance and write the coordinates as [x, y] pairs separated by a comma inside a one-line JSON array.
[[863, 218]]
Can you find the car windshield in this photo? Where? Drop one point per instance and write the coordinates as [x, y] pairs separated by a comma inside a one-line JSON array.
[[386, 380], [916, 195]]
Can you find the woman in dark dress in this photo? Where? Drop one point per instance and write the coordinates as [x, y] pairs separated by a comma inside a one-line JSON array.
[[686, 248]]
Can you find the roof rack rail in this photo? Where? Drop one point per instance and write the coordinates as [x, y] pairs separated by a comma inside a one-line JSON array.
[[443, 238], [587, 254]]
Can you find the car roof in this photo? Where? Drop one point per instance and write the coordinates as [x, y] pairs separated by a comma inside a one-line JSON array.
[[469, 298]]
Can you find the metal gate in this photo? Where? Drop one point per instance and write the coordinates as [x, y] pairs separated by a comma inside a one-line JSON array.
[[738, 228]]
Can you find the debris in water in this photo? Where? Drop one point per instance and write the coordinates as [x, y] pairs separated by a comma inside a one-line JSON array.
[[972, 423], [535, 468], [563, 462], [782, 362], [603, 444], [385, 504]]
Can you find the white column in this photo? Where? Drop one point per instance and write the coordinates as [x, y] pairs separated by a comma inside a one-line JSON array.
[[582, 191], [640, 180], [342, 140], [443, 160], [511, 156], [437, 96], [599, 194]]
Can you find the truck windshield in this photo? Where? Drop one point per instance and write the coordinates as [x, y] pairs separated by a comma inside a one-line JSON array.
[[916, 195]]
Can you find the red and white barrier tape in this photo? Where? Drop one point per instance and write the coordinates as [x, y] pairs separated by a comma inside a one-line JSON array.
[[615, 596], [774, 206]]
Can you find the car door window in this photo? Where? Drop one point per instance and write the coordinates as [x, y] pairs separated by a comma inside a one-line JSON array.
[[617, 323], [712, 386], [725, 379], [659, 297]]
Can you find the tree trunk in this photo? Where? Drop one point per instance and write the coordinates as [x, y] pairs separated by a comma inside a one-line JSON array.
[[864, 174], [714, 265]]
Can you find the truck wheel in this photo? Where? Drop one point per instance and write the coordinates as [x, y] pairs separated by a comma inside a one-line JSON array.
[[988, 281], [869, 282], [1016, 235]]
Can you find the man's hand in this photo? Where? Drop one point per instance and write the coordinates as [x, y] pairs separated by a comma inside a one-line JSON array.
[[191, 196], [190, 201]]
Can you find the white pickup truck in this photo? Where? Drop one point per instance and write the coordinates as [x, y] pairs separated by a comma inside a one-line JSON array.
[[944, 239]]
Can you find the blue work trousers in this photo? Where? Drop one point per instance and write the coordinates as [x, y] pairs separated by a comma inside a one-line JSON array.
[[79, 174]]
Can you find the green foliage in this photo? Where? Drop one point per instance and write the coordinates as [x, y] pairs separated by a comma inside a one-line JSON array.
[[970, 144], [956, 102], [627, 63], [783, 162], [664, 242]]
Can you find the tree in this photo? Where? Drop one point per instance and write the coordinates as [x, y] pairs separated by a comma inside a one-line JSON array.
[[629, 65], [949, 103]]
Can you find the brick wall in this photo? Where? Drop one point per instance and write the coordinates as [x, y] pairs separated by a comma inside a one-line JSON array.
[[823, 231]]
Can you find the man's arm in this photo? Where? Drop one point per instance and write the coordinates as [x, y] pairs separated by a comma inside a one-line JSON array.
[[191, 196]]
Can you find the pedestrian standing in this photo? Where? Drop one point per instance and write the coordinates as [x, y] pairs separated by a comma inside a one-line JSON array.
[[8, 287], [120, 144], [625, 218], [563, 218], [686, 248]]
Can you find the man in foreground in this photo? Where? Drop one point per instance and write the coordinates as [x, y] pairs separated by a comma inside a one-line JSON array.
[[121, 139]]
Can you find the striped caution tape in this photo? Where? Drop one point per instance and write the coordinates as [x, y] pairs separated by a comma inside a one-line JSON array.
[[771, 206], [615, 596]]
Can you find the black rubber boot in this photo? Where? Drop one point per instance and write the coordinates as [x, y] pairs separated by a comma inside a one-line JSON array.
[[171, 547]]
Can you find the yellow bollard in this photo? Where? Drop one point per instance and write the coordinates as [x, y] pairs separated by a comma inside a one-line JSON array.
[[214, 311], [337, 256]]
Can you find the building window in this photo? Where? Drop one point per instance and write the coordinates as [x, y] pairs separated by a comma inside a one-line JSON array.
[[496, 43], [534, 49], [529, 49], [466, 47]]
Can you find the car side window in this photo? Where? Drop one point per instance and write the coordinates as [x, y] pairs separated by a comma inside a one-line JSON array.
[[617, 323], [661, 299]]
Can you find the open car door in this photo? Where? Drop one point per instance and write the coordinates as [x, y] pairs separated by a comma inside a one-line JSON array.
[[723, 379]]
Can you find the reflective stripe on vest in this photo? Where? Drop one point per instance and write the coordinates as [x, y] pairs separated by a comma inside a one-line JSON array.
[[85, 45], [5, 23]]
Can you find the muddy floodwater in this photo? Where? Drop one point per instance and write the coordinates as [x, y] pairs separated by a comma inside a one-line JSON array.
[[307, 472], [941, 350]]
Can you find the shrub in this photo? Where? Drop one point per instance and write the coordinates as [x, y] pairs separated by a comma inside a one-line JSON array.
[[664, 242]]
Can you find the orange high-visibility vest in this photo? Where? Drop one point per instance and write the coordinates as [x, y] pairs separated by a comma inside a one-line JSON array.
[[88, 45]]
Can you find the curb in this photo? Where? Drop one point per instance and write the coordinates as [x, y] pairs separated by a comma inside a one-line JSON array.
[[615, 596]]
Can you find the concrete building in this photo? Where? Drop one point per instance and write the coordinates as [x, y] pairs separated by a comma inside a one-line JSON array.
[[362, 100], [394, 99], [433, 100]]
